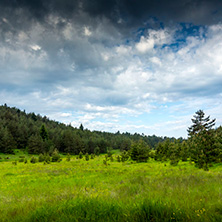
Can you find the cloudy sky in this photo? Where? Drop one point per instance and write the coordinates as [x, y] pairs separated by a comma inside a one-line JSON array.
[[140, 66]]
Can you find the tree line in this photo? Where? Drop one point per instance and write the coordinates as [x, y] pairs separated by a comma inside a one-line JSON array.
[[37, 134]]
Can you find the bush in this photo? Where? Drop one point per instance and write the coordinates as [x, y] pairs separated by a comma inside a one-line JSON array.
[[87, 157], [55, 156], [21, 160], [124, 156], [68, 157], [80, 155], [33, 160], [118, 158], [41, 158]]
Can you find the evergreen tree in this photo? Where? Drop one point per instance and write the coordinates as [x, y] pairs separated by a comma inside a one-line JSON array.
[[43, 133], [87, 157], [35, 144], [81, 127], [200, 123], [202, 140], [139, 151], [7, 142]]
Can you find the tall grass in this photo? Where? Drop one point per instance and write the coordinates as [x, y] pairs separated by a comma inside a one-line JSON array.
[[82, 190]]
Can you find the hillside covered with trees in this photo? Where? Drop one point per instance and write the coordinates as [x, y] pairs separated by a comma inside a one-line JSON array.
[[38, 134]]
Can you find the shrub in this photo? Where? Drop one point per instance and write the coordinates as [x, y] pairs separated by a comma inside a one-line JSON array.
[[118, 158], [124, 156], [87, 157], [33, 160], [47, 158], [41, 158], [55, 156], [21, 160], [80, 155], [68, 157]]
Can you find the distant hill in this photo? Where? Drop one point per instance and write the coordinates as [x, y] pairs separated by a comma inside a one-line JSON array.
[[38, 134]]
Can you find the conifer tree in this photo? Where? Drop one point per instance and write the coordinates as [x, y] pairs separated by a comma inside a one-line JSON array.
[[202, 140], [43, 133]]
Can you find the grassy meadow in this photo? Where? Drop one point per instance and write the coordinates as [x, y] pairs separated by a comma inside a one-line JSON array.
[[80, 190]]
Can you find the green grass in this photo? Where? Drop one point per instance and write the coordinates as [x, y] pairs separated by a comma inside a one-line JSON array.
[[82, 190]]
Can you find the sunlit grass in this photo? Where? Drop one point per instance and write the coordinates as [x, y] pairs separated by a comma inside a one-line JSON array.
[[81, 190]]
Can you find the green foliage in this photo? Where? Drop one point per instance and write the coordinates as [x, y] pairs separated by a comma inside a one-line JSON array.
[[109, 153], [124, 156], [97, 151], [87, 157], [184, 152], [47, 158], [200, 123], [111, 158], [43, 133], [105, 162], [68, 157], [55, 156], [118, 158], [41, 158], [81, 127], [202, 140], [7, 142], [35, 144], [80, 155], [139, 151], [33, 159], [21, 160]]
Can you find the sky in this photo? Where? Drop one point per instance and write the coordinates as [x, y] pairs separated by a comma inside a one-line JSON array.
[[138, 66]]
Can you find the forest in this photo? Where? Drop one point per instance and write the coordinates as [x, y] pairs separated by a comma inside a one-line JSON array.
[[37, 134]]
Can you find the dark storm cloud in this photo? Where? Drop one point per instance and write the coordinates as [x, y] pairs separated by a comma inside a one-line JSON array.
[[120, 12]]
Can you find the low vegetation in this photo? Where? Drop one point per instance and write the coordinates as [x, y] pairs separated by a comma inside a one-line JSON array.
[[89, 190]]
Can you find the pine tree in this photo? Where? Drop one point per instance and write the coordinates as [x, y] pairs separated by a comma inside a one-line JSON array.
[[202, 140], [43, 133], [200, 123], [140, 151]]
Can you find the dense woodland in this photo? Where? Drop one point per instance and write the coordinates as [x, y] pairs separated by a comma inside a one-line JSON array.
[[38, 134]]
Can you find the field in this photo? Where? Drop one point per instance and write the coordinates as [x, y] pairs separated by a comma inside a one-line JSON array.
[[80, 190]]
